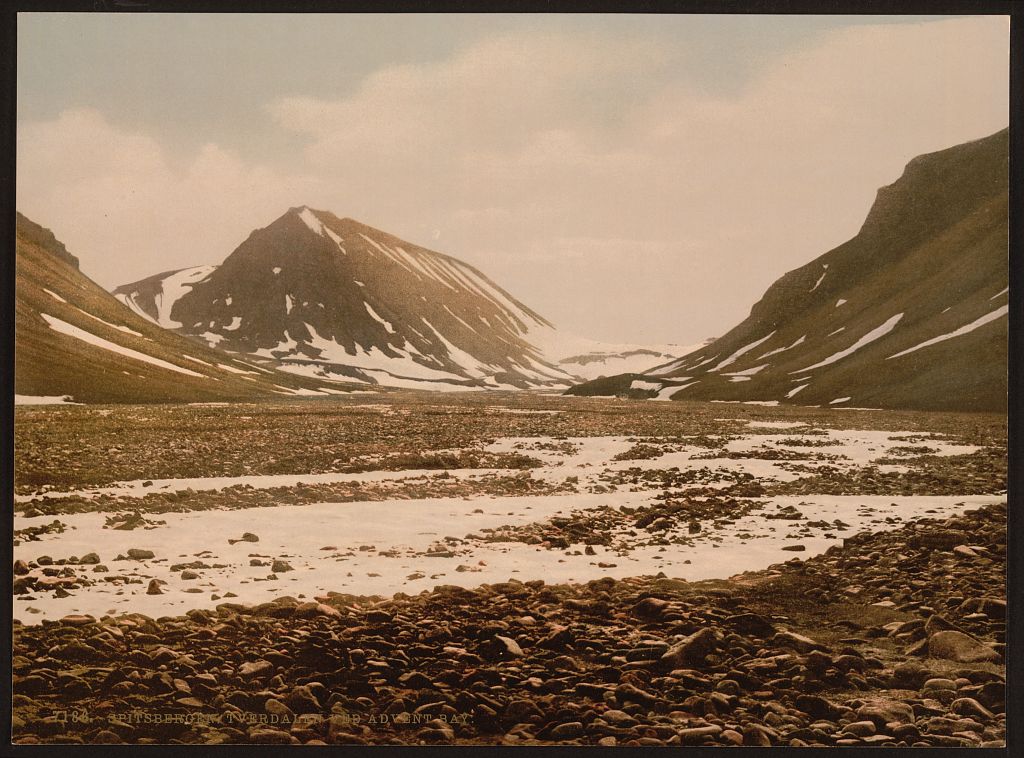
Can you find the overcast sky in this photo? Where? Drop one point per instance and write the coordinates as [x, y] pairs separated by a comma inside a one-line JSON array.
[[632, 178]]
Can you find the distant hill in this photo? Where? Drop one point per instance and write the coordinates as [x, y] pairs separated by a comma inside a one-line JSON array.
[[330, 296], [73, 338], [910, 313]]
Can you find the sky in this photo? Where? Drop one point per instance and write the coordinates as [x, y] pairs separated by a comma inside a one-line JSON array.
[[633, 178]]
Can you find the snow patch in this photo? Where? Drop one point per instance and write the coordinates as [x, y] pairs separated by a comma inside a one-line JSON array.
[[820, 278], [797, 389], [965, 329], [640, 384], [874, 334], [743, 350], [778, 350], [376, 317], [44, 399], [89, 338]]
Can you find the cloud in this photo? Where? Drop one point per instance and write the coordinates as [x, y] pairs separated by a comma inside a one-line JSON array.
[[129, 210], [514, 145], [657, 209]]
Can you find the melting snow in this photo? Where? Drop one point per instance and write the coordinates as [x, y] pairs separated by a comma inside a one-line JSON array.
[[839, 400], [796, 389], [666, 393], [277, 269], [236, 322], [836, 331], [172, 289], [288, 303], [640, 384], [124, 329], [747, 372], [311, 220], [966, 329], [871, 336], [745, 349], [820, 278], [44, 399], [374, 315], [1001, 292], [778, 350], [55, 296], [88, 337], [234, 370], [839, 302]]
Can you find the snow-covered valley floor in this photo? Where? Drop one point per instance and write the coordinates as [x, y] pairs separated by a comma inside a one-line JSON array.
[[737, 494]]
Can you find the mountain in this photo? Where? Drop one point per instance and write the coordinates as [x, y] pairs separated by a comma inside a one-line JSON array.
[[329, 296], [909, 313], [74, 339]]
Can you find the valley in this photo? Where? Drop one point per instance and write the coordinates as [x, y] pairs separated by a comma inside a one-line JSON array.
[[570, 537]]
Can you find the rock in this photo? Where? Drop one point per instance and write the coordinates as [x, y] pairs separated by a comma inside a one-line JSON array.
[[882, 711], [140, 555], [106, 737], [910, 676], [89, 559], [756, 736], [994, 608], [860, 728], [816, 706], [280, 566], [691, 650], [268, 736], [698, 734], [796, 641], [154, 587], [253, 669], [966, 706], [20, 567], [650, 608], [957, 646], [521, 710], [302, 699], [189, 574], [794, 548], [509, 646], [752, 624], [567, 731]]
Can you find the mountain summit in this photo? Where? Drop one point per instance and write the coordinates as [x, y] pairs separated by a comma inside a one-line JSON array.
[[910, 313], [73, 339], [330, 296]]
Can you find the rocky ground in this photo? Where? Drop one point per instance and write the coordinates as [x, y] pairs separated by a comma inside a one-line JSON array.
[[894, 638]]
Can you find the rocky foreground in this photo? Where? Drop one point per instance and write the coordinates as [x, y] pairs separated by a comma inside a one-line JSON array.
[[892, 639]]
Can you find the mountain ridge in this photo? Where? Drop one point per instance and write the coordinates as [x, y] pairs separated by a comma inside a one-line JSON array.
[[74, 339], [329, 295], [906, 314]]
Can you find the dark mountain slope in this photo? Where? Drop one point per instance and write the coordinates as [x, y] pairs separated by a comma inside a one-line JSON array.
[[74, 338], [910, 313], [330, 295]]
